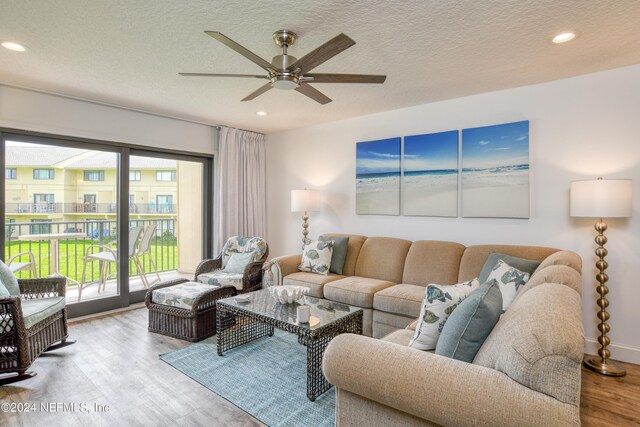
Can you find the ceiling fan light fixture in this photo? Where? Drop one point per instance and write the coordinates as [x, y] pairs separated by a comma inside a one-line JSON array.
[[284, 82], [261, 113], [564, 37]]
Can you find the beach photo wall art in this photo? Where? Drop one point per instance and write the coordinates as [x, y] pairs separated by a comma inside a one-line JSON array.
[[430, 179], [378, 177], [495, 171]]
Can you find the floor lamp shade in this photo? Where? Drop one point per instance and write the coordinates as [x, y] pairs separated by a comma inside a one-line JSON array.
[[305, 200], [601, 198]]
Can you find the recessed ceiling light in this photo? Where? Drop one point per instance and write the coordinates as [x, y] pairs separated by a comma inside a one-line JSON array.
[[564, 37], [262, 113], [14, 46]]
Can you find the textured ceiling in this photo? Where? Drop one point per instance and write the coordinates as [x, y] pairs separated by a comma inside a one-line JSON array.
[[129, 52]]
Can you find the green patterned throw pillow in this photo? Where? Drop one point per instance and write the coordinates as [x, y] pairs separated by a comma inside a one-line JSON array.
[[510, 279], [316, 257], [9, 280], [238, 262], [438, 304]]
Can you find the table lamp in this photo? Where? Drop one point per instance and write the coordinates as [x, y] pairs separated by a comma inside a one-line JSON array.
[[602, 198], [305, 201]]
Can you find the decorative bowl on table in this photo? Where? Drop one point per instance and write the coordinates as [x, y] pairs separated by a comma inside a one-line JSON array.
[[288, 294]]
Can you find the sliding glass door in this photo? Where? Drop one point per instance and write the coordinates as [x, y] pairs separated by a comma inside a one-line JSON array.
[[90, 211]]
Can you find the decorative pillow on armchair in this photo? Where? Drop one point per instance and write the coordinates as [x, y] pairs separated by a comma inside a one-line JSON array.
[[438, 304], [510, 280], [9, 280], [316, 257]]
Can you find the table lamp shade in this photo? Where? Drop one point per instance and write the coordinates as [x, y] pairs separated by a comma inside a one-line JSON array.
[[305, 200], [601, 198]]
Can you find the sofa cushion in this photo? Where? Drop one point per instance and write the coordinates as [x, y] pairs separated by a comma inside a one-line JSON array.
[[9, 280], [438, 304], [431, 261], [539, 342], [353, 251], [566, 258], [401, 337], [553, 274], [355, 290], [316, 256], [471, 323], [221, 278], [340, 245], [315, 282], [474, 257], [182, 295], [400, 299], [522, 264], [38, 309], [383, 258]]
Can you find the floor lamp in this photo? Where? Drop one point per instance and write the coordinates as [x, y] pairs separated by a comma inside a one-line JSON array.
[[305, 201], [602, 198]]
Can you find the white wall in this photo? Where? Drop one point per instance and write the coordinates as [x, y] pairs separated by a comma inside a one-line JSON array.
[[581, 127], [41, 112]]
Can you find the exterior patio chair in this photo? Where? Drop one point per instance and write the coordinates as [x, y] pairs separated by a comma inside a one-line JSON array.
[[16, 265], [32, 319], [144, 249], [211, 271], [105, 256]]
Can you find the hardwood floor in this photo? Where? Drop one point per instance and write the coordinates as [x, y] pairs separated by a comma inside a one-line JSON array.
[[115, 362]]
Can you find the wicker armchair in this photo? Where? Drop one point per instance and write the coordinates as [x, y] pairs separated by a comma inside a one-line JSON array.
[[20, 345], [252, 277]]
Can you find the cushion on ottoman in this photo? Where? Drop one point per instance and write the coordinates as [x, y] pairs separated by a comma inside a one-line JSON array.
[[182, 295]]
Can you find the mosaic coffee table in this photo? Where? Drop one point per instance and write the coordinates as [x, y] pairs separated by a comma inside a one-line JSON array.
[[242, 322]]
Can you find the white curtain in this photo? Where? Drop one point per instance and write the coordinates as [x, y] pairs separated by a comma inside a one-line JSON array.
[[240, 196]]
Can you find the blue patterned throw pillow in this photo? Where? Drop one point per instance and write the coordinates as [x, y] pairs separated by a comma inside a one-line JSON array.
[[9, 280], [316, 257]]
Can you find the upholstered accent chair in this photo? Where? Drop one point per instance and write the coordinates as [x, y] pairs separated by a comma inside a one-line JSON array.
[[211, 271], [31, 322]]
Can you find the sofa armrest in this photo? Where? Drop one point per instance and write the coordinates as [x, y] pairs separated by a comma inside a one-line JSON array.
[[277, 268], [435, 388]]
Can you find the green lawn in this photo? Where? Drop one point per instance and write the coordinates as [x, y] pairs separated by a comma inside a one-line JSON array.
[[71, 254]]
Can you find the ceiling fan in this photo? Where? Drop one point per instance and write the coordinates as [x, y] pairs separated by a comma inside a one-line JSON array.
[[286, 72]]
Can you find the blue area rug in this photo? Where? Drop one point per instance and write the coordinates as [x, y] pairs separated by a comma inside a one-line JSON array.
[[266, 378]]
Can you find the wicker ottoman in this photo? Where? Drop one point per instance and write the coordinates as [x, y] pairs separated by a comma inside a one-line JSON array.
[[188, 309]]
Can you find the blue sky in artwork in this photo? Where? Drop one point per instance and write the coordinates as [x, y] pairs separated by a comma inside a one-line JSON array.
[[378, 156], [434, 151], [499, 145]]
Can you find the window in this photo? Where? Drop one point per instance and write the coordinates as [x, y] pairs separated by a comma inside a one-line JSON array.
[[44, 198], [166, 176], [94, 175], [44, 174], [134, 175], [10, 173], [41, 226]]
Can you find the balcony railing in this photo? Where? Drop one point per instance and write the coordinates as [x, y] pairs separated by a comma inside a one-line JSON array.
[[98, 208], [71, 252]]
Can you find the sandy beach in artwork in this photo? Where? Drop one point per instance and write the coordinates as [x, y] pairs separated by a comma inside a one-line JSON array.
[[485, 189], [378, 195], [431, 194]]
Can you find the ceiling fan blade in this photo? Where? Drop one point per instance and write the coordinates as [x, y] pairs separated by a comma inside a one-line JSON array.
[[241, 50], [249, 76], [346, 78], [313, 93], [321, 54], [258, 92]]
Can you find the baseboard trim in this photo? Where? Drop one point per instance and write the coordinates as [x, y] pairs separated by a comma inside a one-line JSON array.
[[624, 353], [135, 306]]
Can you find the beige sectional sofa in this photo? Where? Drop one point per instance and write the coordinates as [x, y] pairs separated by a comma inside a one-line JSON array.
[[526, 373]]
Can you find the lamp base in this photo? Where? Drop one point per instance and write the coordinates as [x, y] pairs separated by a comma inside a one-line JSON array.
[[607, 368]]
